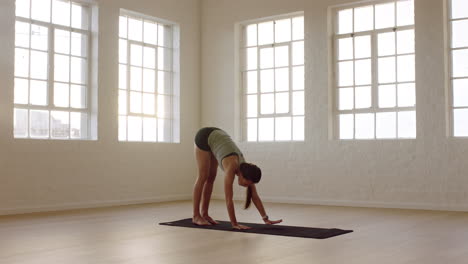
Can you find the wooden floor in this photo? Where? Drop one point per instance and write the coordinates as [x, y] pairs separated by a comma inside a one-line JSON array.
[[130, 234]]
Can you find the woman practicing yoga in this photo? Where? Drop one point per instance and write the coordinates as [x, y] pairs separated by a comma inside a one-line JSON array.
[[213, 146]]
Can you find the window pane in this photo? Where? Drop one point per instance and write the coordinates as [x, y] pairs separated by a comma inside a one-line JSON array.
[[164, 59], [405, 41], [122, 51], [135, 102], [282, 79], [298, 28], [134, 128], [39, 124], [80, 16], [362, 45], [460, 93], [39, 65], [123, 27], [387, 70], [346, 126], [21, 91], [298, 78], [363, 97], [265, 33], [364, 126], [459, 36], [150, 33], [363, 18], [40, 10], [405, 12], [60, 124], [386, 125], [39, 37], [78, 125], [387, 96], [345, 48], [267, 104], [266, 58], [135, 78], [164, 106], [252, 106], [62, 68], [385, 15], [345, 21], [22, 8], [251, 129], [122, 102], [164, 36], [407, 124], [79, 44], [78, 96], [406, 68], [61, 94], [386, 43], [266, 81], [62, 41], [78, 70], [460, 122], [298, 128], [406, 95], [266, 129], [251, 58], [251, 82], [459, 9], [460, 63], [149, 80], [298, 103], [135, 30], [251, 35], [283, 128], [122, 128], [21, 63], [20, 123], [164, 82], [149, 129], [164, 130], [149, 57], [136, 55], [282, 30], [122, 76], [282, 55], [38, 93], [148, 104], [298, 53], [22, 34], [363, 72], [282, 103], [346, 100], [345, 77], [61, 12]]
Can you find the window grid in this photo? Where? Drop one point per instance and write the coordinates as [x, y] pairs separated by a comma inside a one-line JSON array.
[[48, 120], [253, 113], [458, 92], [345, 115], [134, 123]]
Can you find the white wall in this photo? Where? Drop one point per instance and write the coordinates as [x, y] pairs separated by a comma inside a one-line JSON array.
[[37, 175], [430, 172]]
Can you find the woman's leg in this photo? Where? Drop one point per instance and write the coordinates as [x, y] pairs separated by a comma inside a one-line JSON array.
[[208, 189], [203, 161]]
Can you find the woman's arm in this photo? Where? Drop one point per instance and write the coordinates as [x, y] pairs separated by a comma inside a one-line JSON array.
[[228, 181], [258, 203]]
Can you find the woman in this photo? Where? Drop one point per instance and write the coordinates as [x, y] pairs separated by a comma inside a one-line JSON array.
[[213, 146]]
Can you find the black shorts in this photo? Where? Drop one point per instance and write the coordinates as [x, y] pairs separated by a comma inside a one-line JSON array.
[[201, 139]]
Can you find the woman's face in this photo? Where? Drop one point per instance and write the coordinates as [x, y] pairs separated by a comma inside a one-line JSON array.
[[243, 181]]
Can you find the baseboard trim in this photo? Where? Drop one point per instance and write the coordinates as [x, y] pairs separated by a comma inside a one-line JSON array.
[[366, 204], [88, 205]]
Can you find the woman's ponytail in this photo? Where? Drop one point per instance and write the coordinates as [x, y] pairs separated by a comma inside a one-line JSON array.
[[248, 197]]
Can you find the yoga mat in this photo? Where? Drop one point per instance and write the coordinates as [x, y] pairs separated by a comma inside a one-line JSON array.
[[277, 230]]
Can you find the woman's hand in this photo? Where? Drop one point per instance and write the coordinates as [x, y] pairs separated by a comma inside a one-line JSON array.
[[272, 222], [240, 227]]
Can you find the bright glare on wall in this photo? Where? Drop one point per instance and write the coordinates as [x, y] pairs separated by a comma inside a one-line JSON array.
[[459, 68], [145, 79], [51, 90], [273, 79], [375, 71]]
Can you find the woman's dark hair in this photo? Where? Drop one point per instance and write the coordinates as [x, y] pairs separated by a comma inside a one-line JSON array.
[[253, 173]]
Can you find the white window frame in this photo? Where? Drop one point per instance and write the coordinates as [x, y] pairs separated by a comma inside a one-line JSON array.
[[91, 133], [242, 77], [374, 109]]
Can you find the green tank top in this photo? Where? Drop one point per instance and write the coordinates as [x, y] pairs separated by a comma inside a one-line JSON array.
[[222, 146]]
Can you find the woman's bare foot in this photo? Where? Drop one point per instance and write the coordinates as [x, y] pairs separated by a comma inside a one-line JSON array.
[[198, 220], [210, 220]]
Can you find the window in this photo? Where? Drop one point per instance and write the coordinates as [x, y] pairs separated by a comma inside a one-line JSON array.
[[375, 71], [51, 89], [273, 79], [146, 79], [459, 66]]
